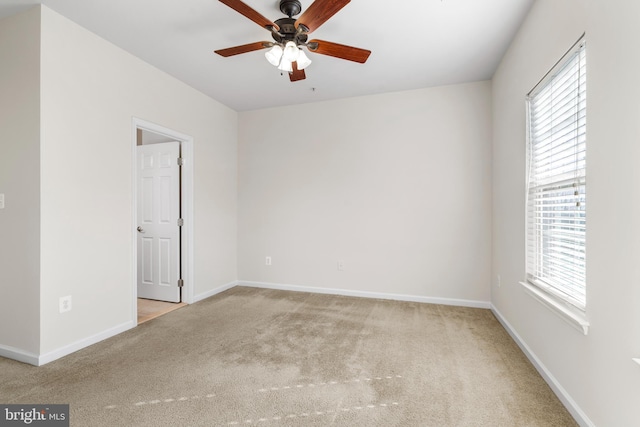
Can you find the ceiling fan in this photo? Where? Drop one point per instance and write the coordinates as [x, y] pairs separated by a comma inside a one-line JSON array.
[[291, 34]]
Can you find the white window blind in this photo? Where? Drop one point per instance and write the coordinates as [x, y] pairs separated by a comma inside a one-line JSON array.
[[556, 184]]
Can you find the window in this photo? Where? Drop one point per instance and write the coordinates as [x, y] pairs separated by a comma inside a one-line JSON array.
[[556, 182]]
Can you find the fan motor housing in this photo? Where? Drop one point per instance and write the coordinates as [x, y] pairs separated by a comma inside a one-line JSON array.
[[288, 32]]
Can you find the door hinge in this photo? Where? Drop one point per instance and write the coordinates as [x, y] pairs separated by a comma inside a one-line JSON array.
[[180, 283], [180, 161], [180, 222]]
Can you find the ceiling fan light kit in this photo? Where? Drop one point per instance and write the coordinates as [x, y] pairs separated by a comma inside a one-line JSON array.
[[290, 34], [283, 58]]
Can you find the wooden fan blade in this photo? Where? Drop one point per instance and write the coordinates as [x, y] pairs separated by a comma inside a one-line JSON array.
[[236, 50], [339, 51], [250, 13], [318, 13], [296, 74]]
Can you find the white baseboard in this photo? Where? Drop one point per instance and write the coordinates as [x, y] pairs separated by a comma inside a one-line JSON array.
[[19, 355], [366, 294], [215, 291], [85, 342], [577, 413]]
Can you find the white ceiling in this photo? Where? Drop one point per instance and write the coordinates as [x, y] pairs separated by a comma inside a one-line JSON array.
[[414, 44]]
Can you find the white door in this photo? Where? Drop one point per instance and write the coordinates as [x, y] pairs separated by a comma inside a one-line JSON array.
[[158, 214]]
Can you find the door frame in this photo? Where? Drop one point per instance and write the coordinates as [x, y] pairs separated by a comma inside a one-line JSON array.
[[186, 248]]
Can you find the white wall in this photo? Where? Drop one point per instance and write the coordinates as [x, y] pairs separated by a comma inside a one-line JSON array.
[[595, 371], [20, 183], [397, 186], [91, 90]]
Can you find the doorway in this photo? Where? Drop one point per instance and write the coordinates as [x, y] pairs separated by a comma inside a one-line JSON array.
[[167, 275]]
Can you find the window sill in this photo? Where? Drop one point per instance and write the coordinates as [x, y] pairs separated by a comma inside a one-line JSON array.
[[576, 320]]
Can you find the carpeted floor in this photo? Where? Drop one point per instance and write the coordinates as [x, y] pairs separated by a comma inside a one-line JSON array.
[[274, 358]]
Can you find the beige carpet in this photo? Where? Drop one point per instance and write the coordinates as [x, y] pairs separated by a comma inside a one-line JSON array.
[[256, 357]]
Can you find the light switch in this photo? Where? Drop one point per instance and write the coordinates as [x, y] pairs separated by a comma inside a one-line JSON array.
[[1, 201]]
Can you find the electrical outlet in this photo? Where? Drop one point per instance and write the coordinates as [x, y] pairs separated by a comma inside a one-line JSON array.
[[267, 260], [340, 265], [65, 304], [499, 282], [2, 201]]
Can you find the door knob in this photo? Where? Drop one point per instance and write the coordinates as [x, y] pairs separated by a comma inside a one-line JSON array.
[[140, 230]]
